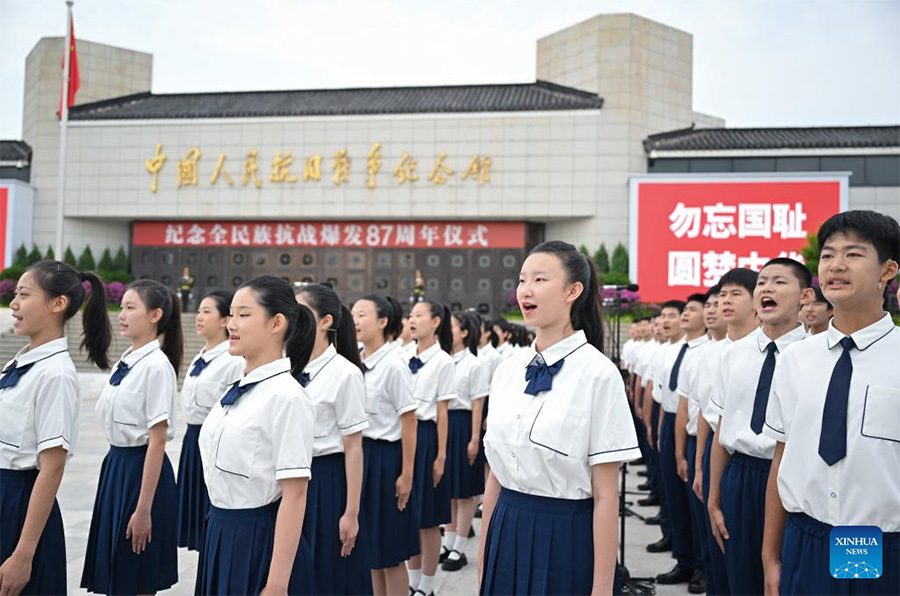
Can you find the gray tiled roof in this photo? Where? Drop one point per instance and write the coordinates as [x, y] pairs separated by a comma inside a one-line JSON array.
[[719, 139], [15, 151], [536, 96]]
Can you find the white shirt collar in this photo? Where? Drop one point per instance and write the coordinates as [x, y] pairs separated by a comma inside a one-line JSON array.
[[460, 355], [313, 368], [428, 354], [216, 350], [863, 338], [560, 349], [795, 334], [276, 367], [697, 341], [486, 348], [373, 359], [131, 358], [26, 356]]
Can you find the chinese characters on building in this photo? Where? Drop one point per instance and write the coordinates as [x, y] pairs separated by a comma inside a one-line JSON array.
[[247, 168]]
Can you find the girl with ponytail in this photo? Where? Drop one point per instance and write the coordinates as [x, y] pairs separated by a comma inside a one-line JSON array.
[[334, 381], [389, 446], [558, 428], [434, 385], [256, 447], [208, 376], [39, 411], [132, 544]]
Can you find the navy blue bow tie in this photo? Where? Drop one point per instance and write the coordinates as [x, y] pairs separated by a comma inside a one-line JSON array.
[[198, 367], [236, 392], [12, 374], [540, 376], [304, 379], [121, 370], [415, 363]]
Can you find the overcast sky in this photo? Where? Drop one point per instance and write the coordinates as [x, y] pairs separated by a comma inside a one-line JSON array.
[[756, 62]]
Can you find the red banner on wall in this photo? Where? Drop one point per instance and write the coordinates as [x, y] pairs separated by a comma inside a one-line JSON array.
[[686, 232], [349, 234]]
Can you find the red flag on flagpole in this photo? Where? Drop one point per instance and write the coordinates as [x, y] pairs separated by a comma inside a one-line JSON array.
[[74, 78]]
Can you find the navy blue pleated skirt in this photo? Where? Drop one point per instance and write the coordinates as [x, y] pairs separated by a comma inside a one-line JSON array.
[[237, 552], [806, 561], [434, 502], [110, 565], [326, 500], [392, 536], [465, 480], [539, 545], [48, 567], [193, 500]]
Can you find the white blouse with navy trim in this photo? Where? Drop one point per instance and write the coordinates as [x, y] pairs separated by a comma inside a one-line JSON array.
[[199, 394], [435, 381]]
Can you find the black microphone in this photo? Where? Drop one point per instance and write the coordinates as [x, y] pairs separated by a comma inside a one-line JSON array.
[[629, 287]]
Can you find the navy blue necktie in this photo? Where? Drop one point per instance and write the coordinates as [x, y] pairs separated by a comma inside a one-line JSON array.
[[303, 379], [12, 374], [763, 387], [198, 367], [833, 437], [415, 363], [673, 376], [540, 376], [236, 392], [119, 374]]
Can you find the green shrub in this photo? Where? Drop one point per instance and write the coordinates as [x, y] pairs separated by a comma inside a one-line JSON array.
[[35, 255], [21, 257], [49, 255], [69, 257], [106, 261], [120, 262], [86, 260], [601, 258], [13, 273], [614, 278], [620, 259]]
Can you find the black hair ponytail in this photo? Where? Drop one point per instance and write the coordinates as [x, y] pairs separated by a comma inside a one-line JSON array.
[[222, 300], [586, 313], [324, 300], [59, 279], [155, 295], [387, 307], [275, 296], [472, 325], [395, 321], [444, 331], [488, 326]]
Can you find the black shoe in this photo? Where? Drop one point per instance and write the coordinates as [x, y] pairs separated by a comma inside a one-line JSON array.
[[644, 486], [697, 584], [455, 564], [471, 532], [478, 512], [651, 501], [444, 554], [660, 546], [638, 462], [653, 520], [676, 575], [417, 592], [642, 473]]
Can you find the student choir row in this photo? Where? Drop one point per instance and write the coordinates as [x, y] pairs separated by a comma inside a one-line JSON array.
[[769, 413], [322, 455]]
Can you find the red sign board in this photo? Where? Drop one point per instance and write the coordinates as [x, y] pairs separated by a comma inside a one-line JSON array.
[[344, 234], [4, 217], [686, 232]]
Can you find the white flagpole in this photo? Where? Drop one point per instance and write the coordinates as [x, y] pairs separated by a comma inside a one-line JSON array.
[[63, 128]]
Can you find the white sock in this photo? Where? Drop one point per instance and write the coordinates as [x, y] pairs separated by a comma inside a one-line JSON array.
[[459, 546], [414, 576], [449, 540], [426, 584]]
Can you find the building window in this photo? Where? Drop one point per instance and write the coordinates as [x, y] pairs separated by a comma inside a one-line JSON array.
[[285, 259], [404, 284], [306, 279], [190, 258], [212, 258], [237, 280], [260, 259], [484, 308], [406, 259], [212, 281], [509, 261], [237, 258], [382, 284], [432, 285], [166, 280], [433, 261], [356, 260], [146, 258], [383, 260], [455, 307], [307, 260], [333, 281], [456, 284], [457, 261], [484, 285], [333, 260], [356, 283], [168, 258], [509, 285], [484, 261]]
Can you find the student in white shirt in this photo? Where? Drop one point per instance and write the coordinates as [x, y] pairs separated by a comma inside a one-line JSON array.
[[504, 332], [402, 338], [740, 461], [39, 410], [816, 313], [464, 469], [559, 427], [833, 412], [209, 375], [132, 546], [434, 385], [256, 445], [389, 445], [334, 381], [487, 346]]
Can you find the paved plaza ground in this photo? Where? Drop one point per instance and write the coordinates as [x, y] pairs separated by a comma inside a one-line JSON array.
[[76, 498]]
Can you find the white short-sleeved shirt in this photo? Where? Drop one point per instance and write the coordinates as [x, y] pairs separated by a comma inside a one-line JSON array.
[[471, 380], [144, 398], [41, 411], [506, 350], [338, 392], [626, 353], [706, 381], [199, 394], [389, 393], [863, 488], [687, 379], [663, 361], [546, 444], [247, 448], [644, 359], [435, 381], [491, 357], [736, 382]]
